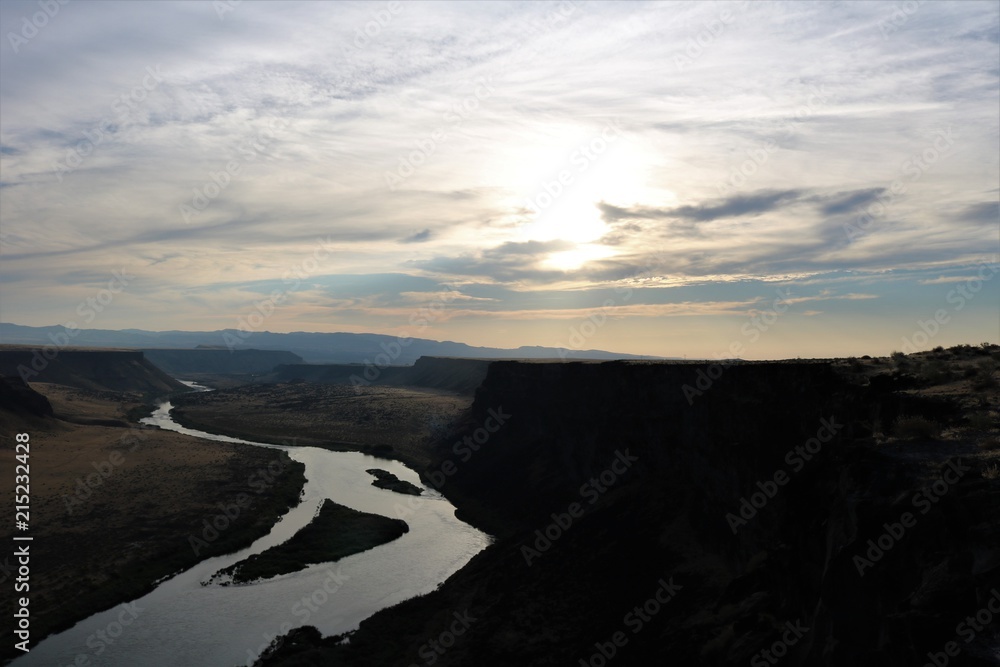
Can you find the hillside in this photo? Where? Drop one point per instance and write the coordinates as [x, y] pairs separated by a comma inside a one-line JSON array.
[[93, 369], [620, 493], [113, 503]]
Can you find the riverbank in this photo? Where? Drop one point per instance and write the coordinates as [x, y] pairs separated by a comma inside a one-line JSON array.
[[388, 422], [115, 509]]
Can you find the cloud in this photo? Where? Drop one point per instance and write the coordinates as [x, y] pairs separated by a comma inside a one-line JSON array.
[[986, 213], [847, 202], [527, 248], [945, 280], [418, 237], [737, 205], [833, 106]]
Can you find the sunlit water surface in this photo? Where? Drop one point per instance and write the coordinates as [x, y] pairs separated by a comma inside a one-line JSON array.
[[183, 622]]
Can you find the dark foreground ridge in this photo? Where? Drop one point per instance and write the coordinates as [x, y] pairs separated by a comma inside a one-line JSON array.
[[701, 514]]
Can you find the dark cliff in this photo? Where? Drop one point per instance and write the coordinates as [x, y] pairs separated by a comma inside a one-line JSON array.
[[460, 376], [98, 370], [609, 484]]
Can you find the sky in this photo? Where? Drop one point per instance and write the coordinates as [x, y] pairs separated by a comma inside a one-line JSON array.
[[707, 179]]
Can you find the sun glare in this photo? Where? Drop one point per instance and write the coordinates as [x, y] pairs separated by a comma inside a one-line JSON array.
[[568, 260], [564, 205]]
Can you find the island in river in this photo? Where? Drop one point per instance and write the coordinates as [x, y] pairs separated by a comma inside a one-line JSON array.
[[336, 532], [386, 480]]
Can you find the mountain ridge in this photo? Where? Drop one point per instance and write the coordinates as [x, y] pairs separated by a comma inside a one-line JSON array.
[[314, 347]]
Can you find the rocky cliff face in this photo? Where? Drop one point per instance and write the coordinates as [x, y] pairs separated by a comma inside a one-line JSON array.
[[460, 376], [17, 397], [113, 370], [700, 515]]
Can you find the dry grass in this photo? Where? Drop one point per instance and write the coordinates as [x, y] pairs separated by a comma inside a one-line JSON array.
[[391, 421], [124, 527], [916, 427]]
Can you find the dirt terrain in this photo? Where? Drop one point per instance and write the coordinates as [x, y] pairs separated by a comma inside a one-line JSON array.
[[113, 508]]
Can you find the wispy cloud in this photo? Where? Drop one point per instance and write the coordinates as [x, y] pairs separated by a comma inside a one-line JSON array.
[[741, 166]]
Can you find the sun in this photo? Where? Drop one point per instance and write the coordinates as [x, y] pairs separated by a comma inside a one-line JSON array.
[[564, 206]]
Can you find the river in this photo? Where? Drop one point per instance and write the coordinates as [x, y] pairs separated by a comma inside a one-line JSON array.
[[182, 622]]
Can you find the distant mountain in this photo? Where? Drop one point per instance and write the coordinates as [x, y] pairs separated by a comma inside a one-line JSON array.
[[340, 348], [184, 362]]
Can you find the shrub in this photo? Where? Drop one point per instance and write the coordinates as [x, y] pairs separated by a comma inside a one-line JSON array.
[[982, 421], [912, 428], [989, 444], [981, 382], [935, 372]]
